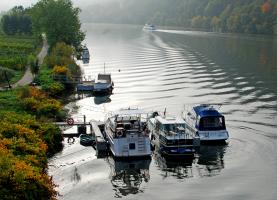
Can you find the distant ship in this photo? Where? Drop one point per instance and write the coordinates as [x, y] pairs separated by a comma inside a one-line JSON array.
[[85, 55], [149, 27]]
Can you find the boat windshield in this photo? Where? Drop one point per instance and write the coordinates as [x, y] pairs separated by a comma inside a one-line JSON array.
[[212, 123], [172, 127]]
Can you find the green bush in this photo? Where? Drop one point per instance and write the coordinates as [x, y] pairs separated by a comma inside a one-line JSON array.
[[56, 88]]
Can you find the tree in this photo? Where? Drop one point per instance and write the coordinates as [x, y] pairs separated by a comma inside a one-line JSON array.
[[16, 21], [59, 20], [215, 23]]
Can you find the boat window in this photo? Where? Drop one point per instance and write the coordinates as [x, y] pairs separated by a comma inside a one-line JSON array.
[[120, 125], [181, 129], [127, 126], [212, 123], [168, 127], [132, 146]]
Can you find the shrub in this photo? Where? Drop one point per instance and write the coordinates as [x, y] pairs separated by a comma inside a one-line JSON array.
[[37, 102], [55, 88], [23, 146]]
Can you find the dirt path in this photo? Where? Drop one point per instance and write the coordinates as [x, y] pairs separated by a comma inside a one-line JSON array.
[[28, 76]]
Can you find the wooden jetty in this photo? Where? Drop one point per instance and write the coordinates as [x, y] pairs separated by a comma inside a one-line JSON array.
[[100, 138], [95, 128]]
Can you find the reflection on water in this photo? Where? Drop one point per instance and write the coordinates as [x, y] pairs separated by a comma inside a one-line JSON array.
[[102, 99], [180, 169], [76, 176], [209, 162], [169, 69], [127, 176]]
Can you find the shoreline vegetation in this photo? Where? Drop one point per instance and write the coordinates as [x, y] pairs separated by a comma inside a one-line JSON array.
[[247, 16], [27, 135]]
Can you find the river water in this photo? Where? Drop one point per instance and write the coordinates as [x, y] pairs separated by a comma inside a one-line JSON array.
[[170, 69]]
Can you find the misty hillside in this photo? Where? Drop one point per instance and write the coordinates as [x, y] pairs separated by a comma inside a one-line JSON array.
[[248, 16]]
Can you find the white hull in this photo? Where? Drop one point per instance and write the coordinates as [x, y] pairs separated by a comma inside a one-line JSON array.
[[213, 135], [219, 135], [130, 146]]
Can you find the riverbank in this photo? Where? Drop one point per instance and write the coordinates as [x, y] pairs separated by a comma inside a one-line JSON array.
[[27, 133]]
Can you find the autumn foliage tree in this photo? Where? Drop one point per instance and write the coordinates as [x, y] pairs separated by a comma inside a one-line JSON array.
[[24, 145]]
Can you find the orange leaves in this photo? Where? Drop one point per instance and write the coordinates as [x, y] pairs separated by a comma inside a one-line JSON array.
[[60, 70], [265, 8], [38, 102], [43, 146], [23, 157], [36, 93]]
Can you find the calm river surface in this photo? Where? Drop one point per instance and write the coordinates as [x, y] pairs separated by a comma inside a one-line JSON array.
[[169, 68]]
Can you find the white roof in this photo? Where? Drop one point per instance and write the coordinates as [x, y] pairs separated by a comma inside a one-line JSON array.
[[170, 120], [129, 111]]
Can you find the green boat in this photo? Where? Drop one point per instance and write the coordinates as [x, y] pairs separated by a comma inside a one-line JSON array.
[[87, 139]]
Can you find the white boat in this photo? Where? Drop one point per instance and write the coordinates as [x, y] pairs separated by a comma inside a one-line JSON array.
[[149, 27], [172, 136], [207, 121], [103, 84], [127, 133]]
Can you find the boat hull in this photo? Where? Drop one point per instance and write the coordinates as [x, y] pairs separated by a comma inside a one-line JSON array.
[[102, 92], [128, 147], [213, 136], [177, 151]]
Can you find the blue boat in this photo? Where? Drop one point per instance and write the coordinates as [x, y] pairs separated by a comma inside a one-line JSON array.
[[207, 121], [103, 85]]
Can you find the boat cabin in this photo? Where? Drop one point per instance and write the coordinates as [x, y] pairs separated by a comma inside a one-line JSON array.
[[208, 119]]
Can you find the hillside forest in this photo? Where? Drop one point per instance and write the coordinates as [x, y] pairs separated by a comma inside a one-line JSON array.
[[247, 16]]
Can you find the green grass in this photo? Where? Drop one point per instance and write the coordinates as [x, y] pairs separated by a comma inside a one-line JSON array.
[[9, 101], [14, 51], [18, 75]]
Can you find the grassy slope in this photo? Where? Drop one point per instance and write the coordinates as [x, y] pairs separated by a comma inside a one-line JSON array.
[[13, 46]]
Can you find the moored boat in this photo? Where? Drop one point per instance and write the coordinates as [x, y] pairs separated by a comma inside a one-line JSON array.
[[149, 27], [85, 55], [87, 139], [172, 137], [208, 122], [127, 134], [103, 85]]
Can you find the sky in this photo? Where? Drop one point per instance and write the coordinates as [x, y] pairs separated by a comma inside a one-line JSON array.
[[5, 5]]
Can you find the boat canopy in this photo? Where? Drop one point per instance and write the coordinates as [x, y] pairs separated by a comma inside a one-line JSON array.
[[206, 111], [104, 78]]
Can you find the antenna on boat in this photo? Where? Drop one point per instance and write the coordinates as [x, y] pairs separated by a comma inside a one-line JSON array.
[[104, 68], [165, 111]]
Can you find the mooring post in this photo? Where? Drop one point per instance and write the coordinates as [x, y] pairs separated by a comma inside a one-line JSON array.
[[84, 119]]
